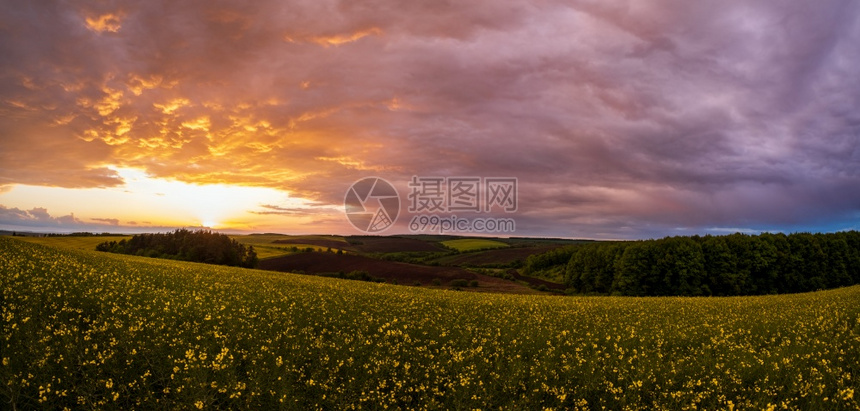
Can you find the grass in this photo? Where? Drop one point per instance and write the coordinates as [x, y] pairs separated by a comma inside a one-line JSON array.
[[265, 248], [255, 239], [264, 251], [277, 250], [472, 244], [82, 329], [77, 243], [262, 243]]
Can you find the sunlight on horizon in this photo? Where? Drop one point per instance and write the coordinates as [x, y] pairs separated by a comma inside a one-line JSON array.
[[151, 201]]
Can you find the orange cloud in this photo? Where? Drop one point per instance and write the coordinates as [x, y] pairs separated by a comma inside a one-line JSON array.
[[104, 23], [201, 123], [137, 84], [338, 39], [172, 105], [567, 95]]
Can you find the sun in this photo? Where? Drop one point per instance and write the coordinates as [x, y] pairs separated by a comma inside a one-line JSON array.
[[209, 205], [149, 203], [210, 224]]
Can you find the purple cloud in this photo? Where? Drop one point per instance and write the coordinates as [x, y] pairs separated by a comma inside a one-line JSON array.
[[620, 119], [37, 217], [111, 221]]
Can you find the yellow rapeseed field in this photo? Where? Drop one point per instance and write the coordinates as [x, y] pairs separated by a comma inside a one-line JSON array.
[[84, 330]]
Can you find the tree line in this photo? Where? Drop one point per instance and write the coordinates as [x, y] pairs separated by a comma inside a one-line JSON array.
[[200, 246], [736, 264]]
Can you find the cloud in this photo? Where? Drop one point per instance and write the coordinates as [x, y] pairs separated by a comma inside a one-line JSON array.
[[38, 217], [13, 214], [294, 211], [621, 118], [104, 23], [338, 39], [111, 221]]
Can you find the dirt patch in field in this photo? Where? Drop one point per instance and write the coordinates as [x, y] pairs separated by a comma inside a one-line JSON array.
[[319, 242], [370, 244], [403, 273]]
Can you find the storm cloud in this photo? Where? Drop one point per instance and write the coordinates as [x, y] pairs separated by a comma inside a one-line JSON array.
[[620, 119]]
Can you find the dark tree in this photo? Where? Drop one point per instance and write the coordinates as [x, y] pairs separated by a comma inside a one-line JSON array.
[[199, 246], [737, 264]]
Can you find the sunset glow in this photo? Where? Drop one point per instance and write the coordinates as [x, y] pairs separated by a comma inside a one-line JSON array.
[[619, 119], [144, 202]]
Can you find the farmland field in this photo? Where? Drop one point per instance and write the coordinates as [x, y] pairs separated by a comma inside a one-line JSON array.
[[471, 244], [266, 245], [75, 242], [262, 243], [259, 239], [82, 329], [496, 256], [392, 272]]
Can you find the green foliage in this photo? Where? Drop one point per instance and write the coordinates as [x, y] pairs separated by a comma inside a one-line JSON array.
[[736, 264], [198, 246], [459, 283], [412, 257], [552, 258], [361, 275], [473, 244]]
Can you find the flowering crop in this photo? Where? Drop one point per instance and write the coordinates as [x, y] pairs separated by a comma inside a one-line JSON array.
[[83, 329]]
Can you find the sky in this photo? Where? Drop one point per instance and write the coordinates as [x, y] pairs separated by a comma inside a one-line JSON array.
[[619, 119]]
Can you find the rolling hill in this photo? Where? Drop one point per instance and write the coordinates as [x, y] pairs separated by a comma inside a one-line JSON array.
[[94, 330]]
